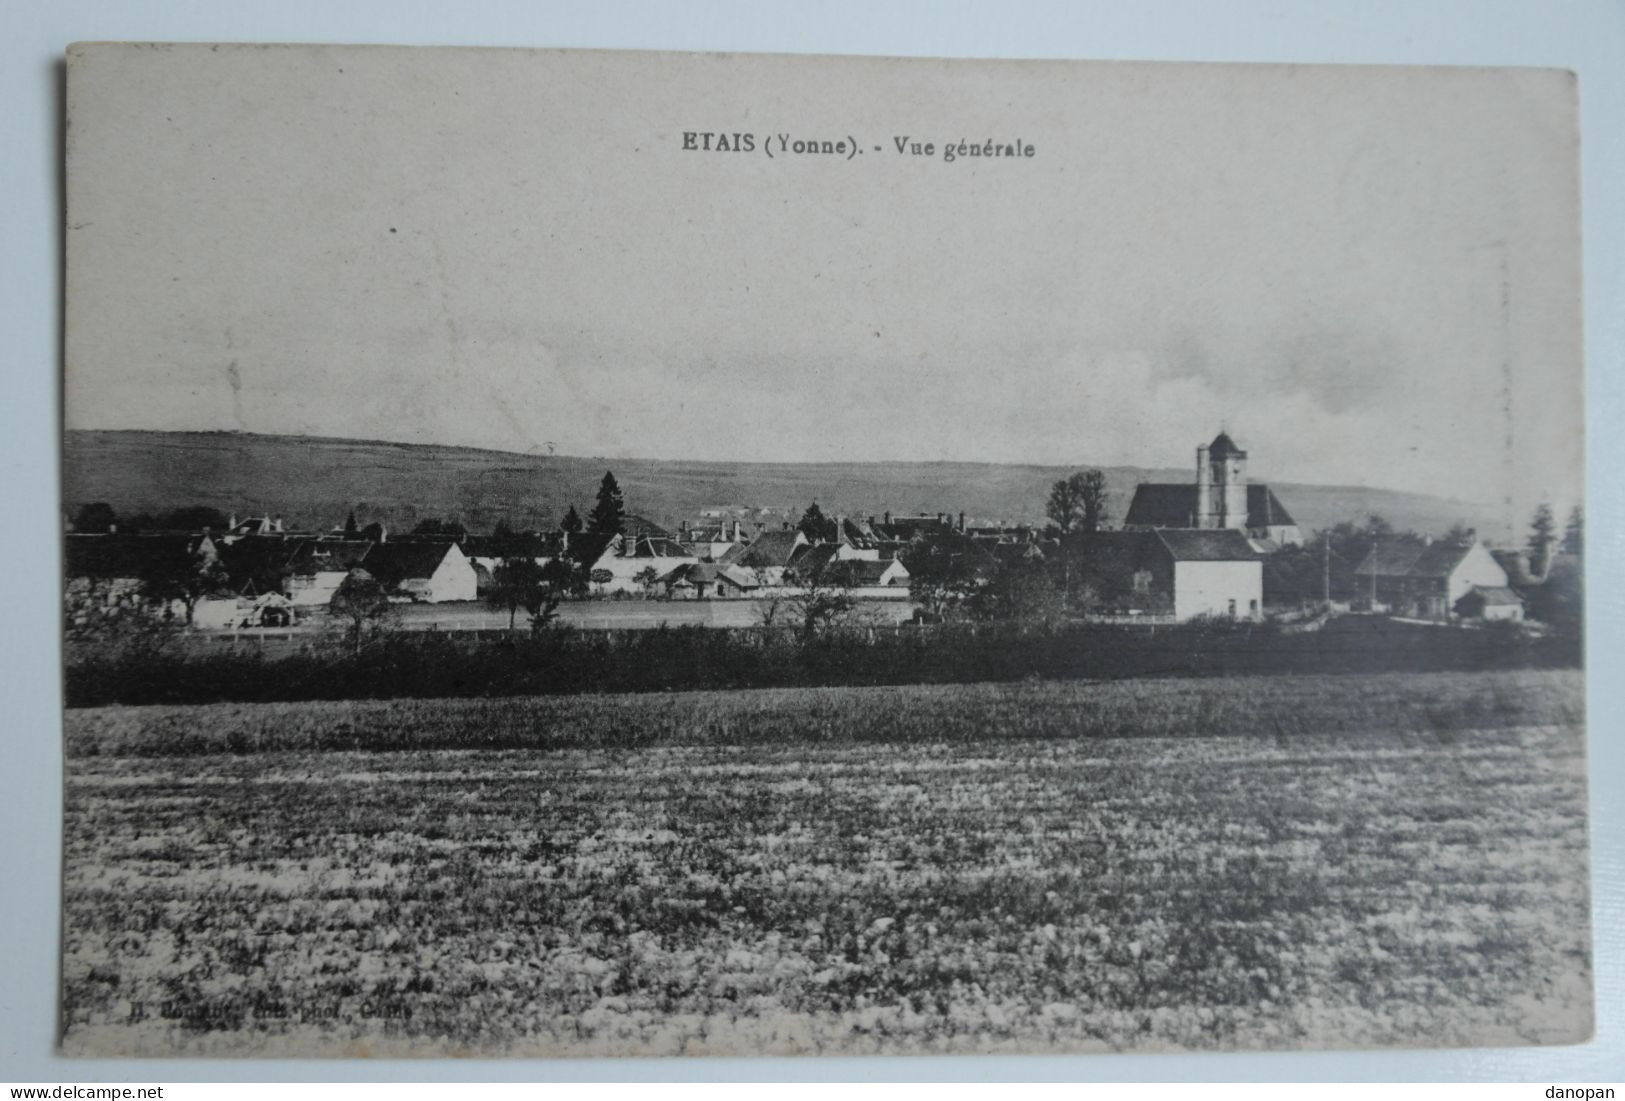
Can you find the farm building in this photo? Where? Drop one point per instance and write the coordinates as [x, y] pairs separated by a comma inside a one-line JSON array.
[[1425, 579], [710, 581], [428, 572], [1490, 603], [1184, 574], [768, 556], [317, 567], [232, 612], [1220, 498], [863, 573]]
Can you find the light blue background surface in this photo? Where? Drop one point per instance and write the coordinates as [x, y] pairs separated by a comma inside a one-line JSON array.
[[1588, 37]]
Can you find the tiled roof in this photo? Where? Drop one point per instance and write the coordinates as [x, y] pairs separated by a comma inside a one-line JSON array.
[[1162, 505], [649, 546], [771, 548], [1208, 545], [331, 555], [809, 562], [533, 544], [857, 571], [1412, 558], [1265, 510], [1390, 558], [709, 573], [633, 526], [393, 563], [1439, 559], [587, 547]]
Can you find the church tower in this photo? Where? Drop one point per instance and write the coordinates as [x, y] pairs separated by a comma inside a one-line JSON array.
[[1221, 484]]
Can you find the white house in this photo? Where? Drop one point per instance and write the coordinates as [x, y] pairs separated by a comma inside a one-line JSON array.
[[1215, 573], [1182, 573], [428, 572]]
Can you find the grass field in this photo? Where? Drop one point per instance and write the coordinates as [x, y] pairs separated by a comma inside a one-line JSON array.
[[1043, 867]]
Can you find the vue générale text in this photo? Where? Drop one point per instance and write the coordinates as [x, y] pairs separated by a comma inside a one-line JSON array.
[[847, 147]]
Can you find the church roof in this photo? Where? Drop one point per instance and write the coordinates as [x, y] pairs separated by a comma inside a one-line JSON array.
[[1173, 505], [1224, 447], [1162, 505]]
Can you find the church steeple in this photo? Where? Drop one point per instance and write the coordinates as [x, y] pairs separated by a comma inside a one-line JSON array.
[[1221, 484]]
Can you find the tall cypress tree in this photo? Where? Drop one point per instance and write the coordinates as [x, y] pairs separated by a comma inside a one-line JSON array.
[[572, 521], [1574, 535], [609, 514], [1542, 536], [351, 531]]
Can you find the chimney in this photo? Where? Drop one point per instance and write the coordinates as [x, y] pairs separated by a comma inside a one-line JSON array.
[[888, 517], [962, 521], [276, 522]]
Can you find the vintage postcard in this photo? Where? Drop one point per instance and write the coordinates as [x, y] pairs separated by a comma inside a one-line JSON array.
[[580, 553]]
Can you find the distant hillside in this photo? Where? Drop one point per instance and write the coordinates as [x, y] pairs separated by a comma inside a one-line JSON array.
[[315, 482]]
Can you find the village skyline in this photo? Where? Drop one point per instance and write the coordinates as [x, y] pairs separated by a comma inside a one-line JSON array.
[[1303, 256]]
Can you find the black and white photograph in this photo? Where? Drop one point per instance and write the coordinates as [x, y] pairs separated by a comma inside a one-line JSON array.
[[575, 553]]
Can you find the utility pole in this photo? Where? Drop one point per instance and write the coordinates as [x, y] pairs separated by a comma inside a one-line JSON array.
[[1326, 571]]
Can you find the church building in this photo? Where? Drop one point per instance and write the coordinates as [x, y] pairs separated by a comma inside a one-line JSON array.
[[1221, 498]]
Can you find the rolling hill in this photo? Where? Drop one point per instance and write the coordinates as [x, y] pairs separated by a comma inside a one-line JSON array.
[[315, 482]]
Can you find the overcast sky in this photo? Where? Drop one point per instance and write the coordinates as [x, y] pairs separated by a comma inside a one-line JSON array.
[[1367, 275]]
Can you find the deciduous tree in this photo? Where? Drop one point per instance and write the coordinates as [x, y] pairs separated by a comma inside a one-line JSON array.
[[1078, 502], [362, 607], [515, 583], [182, 578]]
